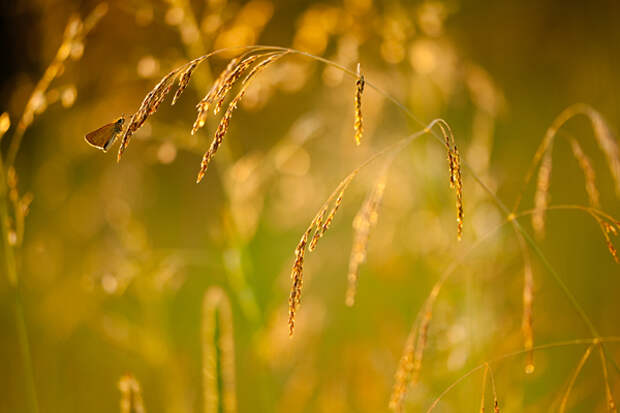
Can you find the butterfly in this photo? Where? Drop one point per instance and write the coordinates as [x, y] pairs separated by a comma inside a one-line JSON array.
[[105, 136]]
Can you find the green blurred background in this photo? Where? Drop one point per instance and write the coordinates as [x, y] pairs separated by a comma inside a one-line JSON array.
[[117, 257]]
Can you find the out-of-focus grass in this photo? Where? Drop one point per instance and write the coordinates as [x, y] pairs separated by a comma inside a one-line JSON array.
[[116, 258]]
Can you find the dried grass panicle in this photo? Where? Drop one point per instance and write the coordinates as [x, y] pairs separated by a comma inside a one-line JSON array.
[[402, 378], [217, 140], [131, 395], [149, 105], [20, 205], [185, 78], [609, 228], [541, 197], [216, 94], [269, 58], [205, 103], [359, 90], [588, 172], [218, 353], [608, 144], [297, 280], [410, 363], [225, 121], [526, 323], [573, 378], [456, 178], [364, 221], [421, 346], [320, 224], [460, 214], [232, 78], [317, 229], [602, 134]]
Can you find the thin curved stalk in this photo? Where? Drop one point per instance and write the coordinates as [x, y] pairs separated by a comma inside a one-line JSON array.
[[581, 341], [503, 208], [501, 205]]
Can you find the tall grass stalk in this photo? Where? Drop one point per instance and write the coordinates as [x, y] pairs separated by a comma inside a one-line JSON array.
[[75, 31], [18, 307], [218, 353], [247, 59]]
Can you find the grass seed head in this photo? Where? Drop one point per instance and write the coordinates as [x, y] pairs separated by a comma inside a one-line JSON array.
[[184, 79], [455, 173], [359, 90], [225, 121], [588, 172], [218, 353], [363, 223], [131, 395]]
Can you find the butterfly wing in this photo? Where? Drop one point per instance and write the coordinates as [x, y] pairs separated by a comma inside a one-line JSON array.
[[103, 137]]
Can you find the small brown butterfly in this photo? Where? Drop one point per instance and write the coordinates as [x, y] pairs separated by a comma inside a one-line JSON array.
[[105, 136]]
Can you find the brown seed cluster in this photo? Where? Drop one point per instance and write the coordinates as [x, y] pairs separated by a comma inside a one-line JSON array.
[[609, 227], [456, 179], [184, 79], [206, 102], [232, 78], [215, 97], [608, 230], [320, 224], [364, 221], [131, 395], [221, 94], [297, 274], [149, 105], [359, 89]]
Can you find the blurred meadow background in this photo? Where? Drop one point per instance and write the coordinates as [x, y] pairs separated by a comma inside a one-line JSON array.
[[111, 269]]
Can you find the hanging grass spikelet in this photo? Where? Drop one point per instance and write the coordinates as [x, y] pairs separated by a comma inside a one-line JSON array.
[[359, 90], [131, 395], [225, 121], [363, 223], [456, 179], [320, 224]]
